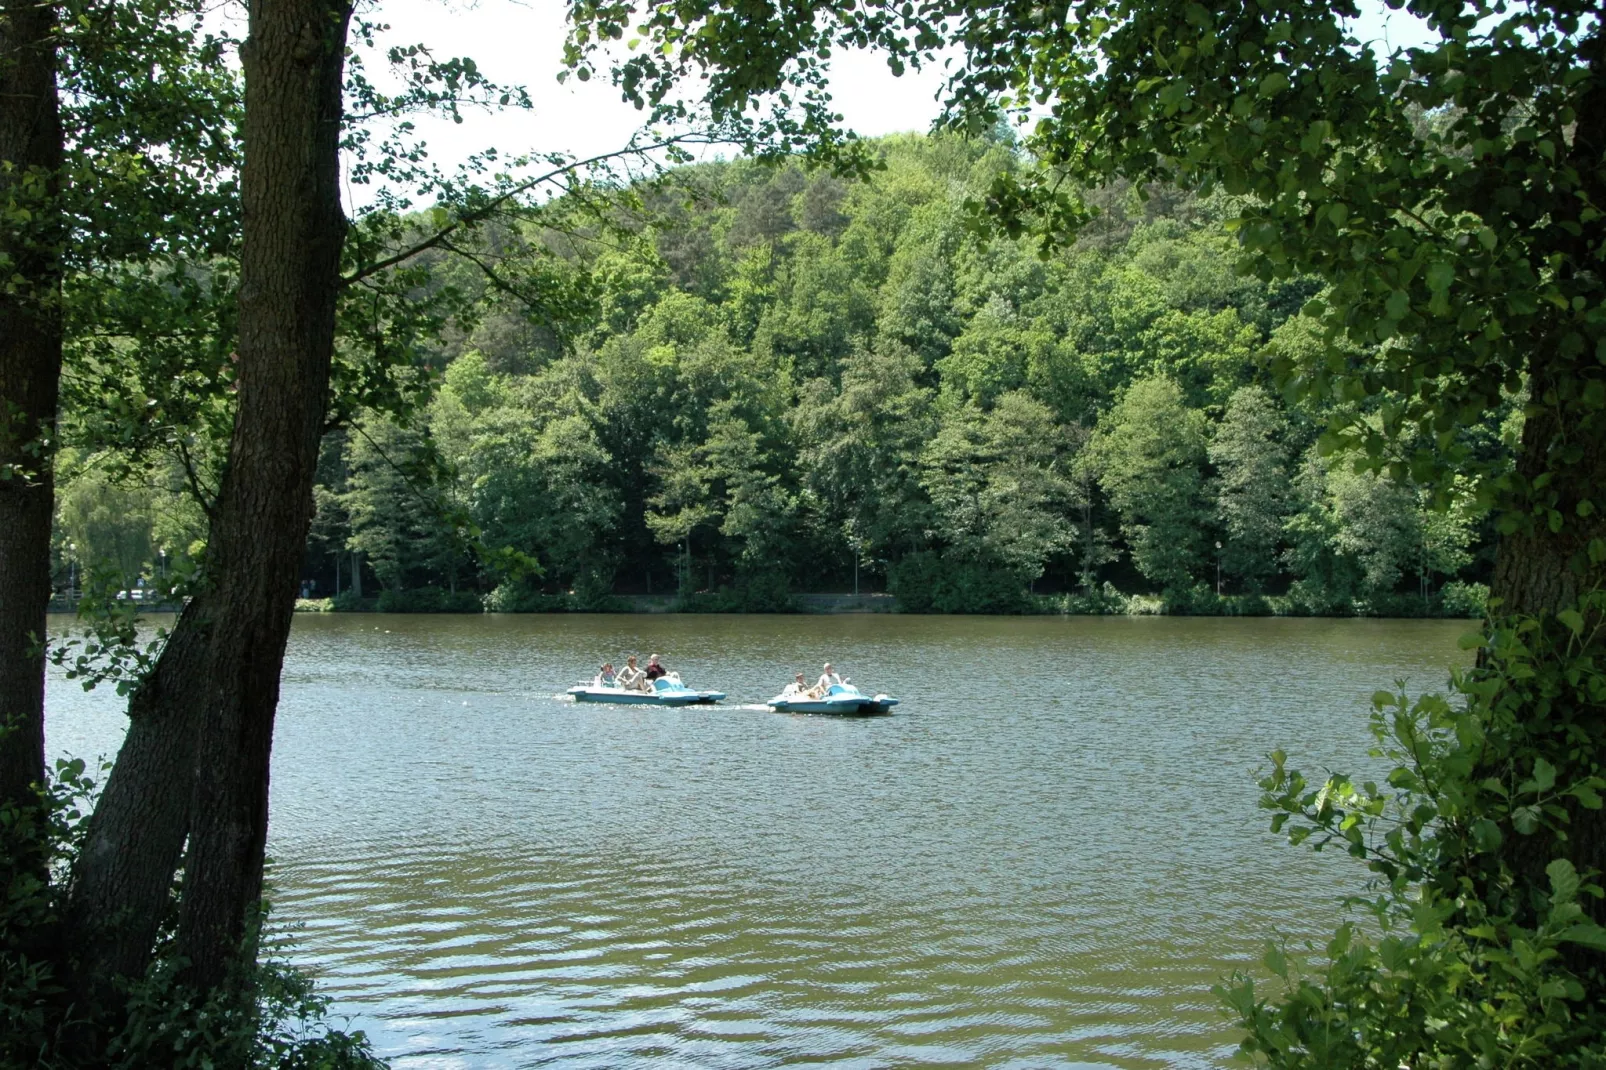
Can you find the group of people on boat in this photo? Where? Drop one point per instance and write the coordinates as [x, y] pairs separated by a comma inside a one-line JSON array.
[[631, 677], [799, 687]]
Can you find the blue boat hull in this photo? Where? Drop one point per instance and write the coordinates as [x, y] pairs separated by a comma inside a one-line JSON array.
[[840, 701]]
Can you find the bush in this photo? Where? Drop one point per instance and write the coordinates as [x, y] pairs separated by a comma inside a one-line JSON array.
[[926, 582], [430, 600], [270, 1016], [315, 605], [1203, 601], [760, 593], [350, 602], [1103, 601], [519, 596], [1478, 948], [1459, 599]]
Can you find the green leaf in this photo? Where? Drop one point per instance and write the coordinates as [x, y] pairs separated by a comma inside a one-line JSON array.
[[1439, 276], [1573, 619], [1273, 84], [1563, 881], [1588, 934], [1544, 775], [1398, 304], [1525, 819]]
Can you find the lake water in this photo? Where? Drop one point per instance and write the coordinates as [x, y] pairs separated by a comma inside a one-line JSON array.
[[1044, 858]]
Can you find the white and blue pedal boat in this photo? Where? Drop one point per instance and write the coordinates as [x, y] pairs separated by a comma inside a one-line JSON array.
[[666, 691], [841, 699]]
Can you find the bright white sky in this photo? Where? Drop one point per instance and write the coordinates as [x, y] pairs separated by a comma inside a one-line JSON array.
[[521, 41]]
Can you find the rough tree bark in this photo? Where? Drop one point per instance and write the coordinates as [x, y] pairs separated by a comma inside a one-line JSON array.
[[292, 235], [1539, 572], [30, 374], [195, 762]]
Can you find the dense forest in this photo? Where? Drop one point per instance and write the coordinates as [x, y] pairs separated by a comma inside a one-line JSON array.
[[781, 381]]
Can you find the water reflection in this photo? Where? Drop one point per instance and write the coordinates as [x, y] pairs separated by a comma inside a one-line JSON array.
[[1044, 859]]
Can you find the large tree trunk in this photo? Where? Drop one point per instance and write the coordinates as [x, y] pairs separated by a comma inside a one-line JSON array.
[[293, 231], [1562, 463], [196, 759], [30, 374], [136, 835], [1538, 573]]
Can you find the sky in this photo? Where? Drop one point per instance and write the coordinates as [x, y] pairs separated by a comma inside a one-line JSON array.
[[521, 42]]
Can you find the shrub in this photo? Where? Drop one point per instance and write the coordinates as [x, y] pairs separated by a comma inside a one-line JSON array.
[[518, 596], [1102, 601], [1478, 949], [429, 600], [350, 602], [269, 1016], [315, 605], [757, 593], [926, 582], [1203, 601], [1459, 599]]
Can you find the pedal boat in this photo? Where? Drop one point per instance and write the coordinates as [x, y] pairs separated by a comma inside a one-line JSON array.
[[841, 699], [666, 691]]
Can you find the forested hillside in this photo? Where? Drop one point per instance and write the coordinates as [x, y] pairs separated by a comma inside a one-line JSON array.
[[786, 378]]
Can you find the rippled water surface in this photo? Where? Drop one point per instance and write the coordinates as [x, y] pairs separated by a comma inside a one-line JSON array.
[[1045, 858]]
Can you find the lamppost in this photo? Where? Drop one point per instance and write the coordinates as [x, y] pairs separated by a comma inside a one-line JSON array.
[[72, 572], [1218, 568]]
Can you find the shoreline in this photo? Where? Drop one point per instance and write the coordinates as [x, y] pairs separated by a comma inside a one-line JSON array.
[[828, 604]]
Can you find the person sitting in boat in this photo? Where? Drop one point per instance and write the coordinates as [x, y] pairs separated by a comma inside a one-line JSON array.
[[654, 669], [797, 688], [605, 676], [630, 677], [827, 680]]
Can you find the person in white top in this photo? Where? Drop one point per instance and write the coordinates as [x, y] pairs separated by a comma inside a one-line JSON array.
[[631, 678], [827, 680]]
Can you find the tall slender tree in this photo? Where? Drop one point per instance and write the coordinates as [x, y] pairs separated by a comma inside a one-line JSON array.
[[201, 726]]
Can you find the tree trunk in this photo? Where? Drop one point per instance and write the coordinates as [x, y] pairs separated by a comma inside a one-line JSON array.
[[30, 375], [293, 230], [196, 759], [135, 837], [1538, 573]]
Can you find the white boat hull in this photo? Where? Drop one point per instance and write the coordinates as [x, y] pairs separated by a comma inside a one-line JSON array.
[[664, 697]]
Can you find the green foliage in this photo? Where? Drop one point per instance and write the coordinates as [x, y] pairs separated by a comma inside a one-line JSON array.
[[428, 600], [1479, 948], [814, 380], [111, 648], [42, 837], [1149, 457], [755, 593], [269, 1016], [996, 489], [523, 596], [927, 582], [1252, 499]]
